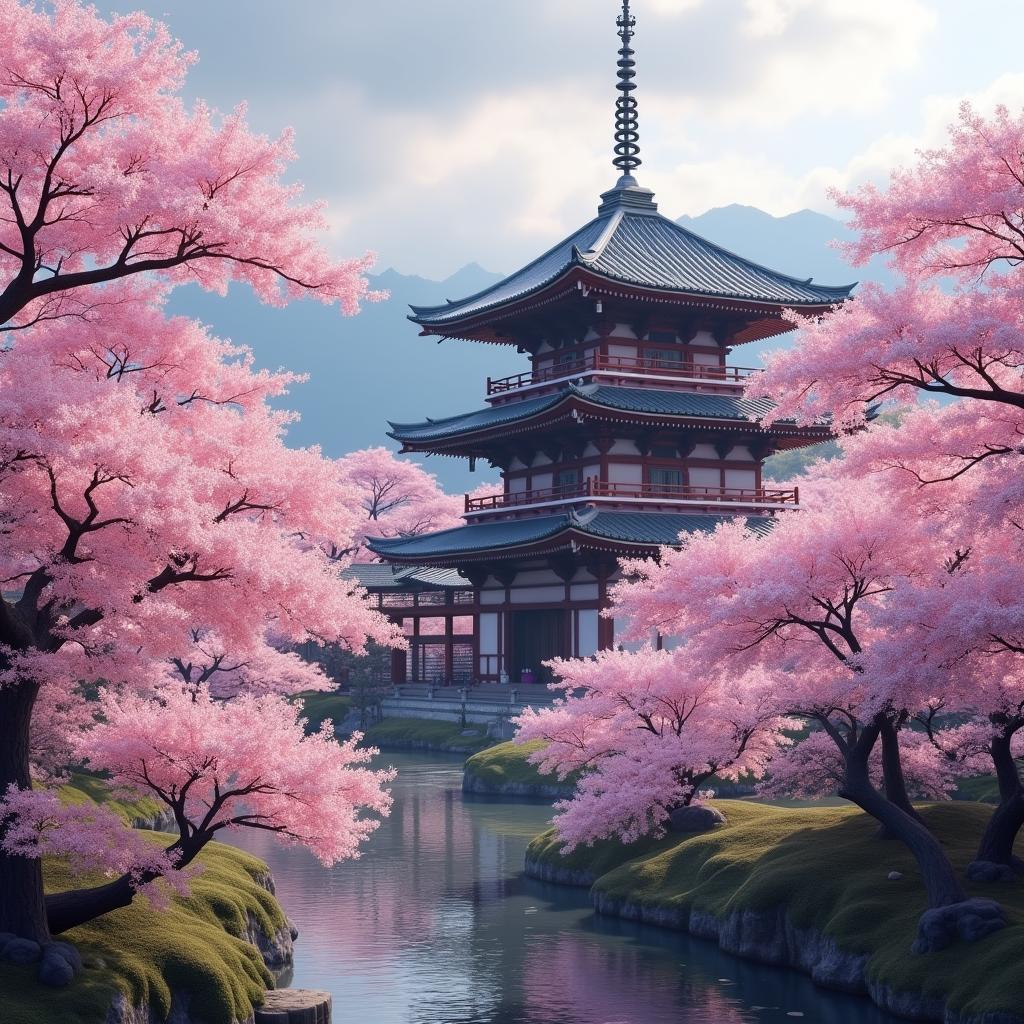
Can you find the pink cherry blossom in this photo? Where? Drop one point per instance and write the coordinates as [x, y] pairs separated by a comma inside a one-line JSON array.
[[646, 733]]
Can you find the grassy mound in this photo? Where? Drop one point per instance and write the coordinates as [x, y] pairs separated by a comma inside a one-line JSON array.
[[507, 763], [826, 866], [318, 706], [191, 947], [84, 787], [425, 733]]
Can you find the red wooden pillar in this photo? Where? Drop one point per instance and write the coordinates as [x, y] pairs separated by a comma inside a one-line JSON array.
[[449, 650]]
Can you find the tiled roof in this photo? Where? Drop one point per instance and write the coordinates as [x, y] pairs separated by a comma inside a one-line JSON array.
[[379, 576], [643, 248], [492, 416], [639, 400], [638, 528]]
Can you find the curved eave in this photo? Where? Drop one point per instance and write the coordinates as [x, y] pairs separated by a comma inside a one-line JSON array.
[[567, 533], [573, 407], [570, 538], [484, 324]]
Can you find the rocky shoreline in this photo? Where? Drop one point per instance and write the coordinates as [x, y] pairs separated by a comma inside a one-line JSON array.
[[277, 950], [771, 938]]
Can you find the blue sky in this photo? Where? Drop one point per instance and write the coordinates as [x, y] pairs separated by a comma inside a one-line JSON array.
[[461, 130]]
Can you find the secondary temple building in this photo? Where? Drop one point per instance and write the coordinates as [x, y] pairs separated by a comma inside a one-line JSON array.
[[628, 428]]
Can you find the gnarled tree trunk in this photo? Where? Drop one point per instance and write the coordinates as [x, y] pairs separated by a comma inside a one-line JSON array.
[[893, 780], [996, 847], [940, 879], [22, 908]]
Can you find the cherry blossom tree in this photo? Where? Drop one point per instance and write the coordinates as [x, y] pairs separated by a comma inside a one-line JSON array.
[[952, 224], [805, 607], [155, 526], [216, 765], [646, 733], [104, 173], [394, 498]]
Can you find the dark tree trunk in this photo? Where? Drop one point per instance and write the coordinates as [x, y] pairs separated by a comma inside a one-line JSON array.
[[940, 879], [996, 845], [894, 782], [22, 908], [67, 909]]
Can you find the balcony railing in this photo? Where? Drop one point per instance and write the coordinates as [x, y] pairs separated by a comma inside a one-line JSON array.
[[593, 488], [597, 362]]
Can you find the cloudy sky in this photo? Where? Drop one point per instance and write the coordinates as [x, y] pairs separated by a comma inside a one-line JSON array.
[[447, 131]]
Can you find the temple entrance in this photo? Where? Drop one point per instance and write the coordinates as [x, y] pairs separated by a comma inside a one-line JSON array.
[[536, 637]]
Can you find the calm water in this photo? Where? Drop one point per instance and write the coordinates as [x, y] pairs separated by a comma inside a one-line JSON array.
[[437, 925]]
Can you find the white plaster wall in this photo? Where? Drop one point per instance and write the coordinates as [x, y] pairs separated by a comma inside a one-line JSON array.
[[489, 633], [740, 454], [540, 595], [705, 477], [625, 473], [588, 619], [740, 478]]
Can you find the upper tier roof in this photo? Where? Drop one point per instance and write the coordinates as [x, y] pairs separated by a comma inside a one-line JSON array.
[[630, 242]]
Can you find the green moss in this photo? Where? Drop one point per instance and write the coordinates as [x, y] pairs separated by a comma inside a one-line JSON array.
[[319, 707], [85, 787], [411, 732], [828, 868], [193, 946], [509, 763]]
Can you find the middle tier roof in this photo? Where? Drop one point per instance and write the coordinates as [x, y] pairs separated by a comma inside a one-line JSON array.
[[650, 408]]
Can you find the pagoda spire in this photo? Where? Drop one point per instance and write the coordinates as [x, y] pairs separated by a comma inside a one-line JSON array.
[[627, 118], [627, 194]]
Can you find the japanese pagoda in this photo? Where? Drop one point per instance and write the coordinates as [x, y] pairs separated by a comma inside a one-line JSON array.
[[629, 428]]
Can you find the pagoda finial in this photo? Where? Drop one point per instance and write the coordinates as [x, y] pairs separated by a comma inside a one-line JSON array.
[[627, 118]]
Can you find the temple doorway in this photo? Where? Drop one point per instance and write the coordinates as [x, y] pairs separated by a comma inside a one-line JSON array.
[[536, 637]]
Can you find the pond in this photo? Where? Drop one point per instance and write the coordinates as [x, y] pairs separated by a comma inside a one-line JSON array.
[[436, 924]]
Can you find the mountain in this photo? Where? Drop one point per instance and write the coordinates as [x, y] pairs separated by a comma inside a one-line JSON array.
[[799, 244], [368, 369]]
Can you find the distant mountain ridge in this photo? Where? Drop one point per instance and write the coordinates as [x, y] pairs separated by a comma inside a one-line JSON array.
[[372, 368]]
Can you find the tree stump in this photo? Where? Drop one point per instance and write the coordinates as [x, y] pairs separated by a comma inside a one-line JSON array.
[[295, 1006]]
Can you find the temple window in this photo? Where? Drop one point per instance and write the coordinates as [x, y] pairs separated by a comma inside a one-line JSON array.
[[663, 358], [662, 477]]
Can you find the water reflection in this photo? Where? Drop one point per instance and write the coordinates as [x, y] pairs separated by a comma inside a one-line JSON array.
[[437, 925]]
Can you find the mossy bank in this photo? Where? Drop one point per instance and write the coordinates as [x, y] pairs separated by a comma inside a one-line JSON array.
[[809, 888], [505, 770], [206, 957], [427, 734]]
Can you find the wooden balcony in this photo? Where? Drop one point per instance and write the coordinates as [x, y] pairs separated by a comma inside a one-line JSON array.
[[631, 365], [594, 488]]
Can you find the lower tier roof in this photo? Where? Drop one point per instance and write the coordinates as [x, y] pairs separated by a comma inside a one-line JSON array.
[[508, 538], [375, 576]]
